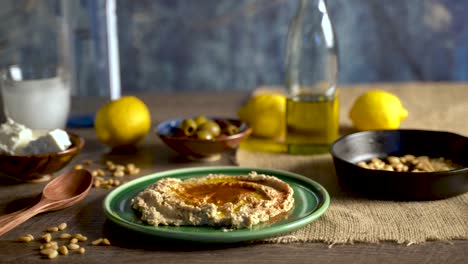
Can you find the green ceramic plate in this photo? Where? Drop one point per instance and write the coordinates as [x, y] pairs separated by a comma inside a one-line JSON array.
[[311, 201]]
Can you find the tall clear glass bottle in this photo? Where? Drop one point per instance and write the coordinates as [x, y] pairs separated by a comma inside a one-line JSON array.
[[312, 111]]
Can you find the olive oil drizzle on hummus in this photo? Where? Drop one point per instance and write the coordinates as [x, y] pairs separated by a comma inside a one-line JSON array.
[[218, 193], [215, 200]]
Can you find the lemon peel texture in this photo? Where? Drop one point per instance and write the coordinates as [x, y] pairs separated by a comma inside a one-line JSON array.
[[377, 109], [122, 122]]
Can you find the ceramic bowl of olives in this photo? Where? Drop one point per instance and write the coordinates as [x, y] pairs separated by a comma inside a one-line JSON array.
[[203, 138]]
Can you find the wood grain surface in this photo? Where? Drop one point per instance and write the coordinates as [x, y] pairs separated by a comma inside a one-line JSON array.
[[88, 218]]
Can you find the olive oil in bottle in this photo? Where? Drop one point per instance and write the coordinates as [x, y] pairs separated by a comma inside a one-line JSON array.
[[312, 107], [311, 123]]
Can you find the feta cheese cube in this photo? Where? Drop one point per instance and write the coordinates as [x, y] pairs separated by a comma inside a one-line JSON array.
[[54, 141], [14, 137]]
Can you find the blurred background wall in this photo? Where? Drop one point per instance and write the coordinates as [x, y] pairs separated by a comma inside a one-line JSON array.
[[240, 44]]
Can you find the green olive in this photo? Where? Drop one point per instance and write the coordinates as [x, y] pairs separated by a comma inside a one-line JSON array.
[[231, 130], [200, 120], [189, 127], [205, 135], [212, 127]]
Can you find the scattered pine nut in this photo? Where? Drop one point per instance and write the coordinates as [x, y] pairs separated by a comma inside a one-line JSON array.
[[65, 236], [62, 226], [26, 238], [97, 241], [111, 166], [73, 241], [106, 186], [101, 173], [63, 250], [106, 241], [78, 167], [73, 246], [51, 244], [97, 183], [47, 251], [47, 237], [94, 173], [80, 237], [130, 167], [81, 250], [118, 173], [52, 229], [53, 254], [87, 162], [134, 171]]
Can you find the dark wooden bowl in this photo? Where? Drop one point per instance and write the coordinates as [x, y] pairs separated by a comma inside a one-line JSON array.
[[38, 167], [197, 149], [391, 185]]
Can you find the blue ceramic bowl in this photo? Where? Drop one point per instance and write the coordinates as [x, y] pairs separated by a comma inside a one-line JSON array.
[[199, 149]]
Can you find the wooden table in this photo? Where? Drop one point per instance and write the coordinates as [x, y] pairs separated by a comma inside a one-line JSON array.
[[88, 218]]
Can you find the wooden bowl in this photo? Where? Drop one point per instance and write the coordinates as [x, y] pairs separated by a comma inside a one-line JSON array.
[[198, 149], [37, 168], [392, 185]]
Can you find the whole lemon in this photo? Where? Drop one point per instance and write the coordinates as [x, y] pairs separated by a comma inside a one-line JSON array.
[[377, 109], [265, 114], [122, 122]]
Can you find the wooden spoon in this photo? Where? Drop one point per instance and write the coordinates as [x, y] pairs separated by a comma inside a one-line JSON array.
[[63, 191]]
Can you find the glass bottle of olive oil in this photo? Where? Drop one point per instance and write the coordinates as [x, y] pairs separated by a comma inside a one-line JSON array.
[[312, 110]]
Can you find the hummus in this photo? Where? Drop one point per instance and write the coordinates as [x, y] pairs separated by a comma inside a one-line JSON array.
[[215, 200]]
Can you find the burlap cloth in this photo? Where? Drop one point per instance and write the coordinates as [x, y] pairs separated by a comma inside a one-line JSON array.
[[431, 106]]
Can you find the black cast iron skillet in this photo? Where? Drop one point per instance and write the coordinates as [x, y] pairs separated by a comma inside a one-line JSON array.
[[348, 150]]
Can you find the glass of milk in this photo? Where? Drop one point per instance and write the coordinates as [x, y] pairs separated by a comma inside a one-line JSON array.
[[37, 96]]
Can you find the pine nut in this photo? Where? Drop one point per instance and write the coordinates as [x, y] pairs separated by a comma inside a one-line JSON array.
[[25, 239], [65, 236], [94, 173], [78, 167], [118, 173], [62, 226], [134, 171], [87, 162], [53, 254], [97, 183], [47, 237], [130, 167], [81, 250], [73, 246], [106, 241], [97, 241], [73, 241], [47, 251], [52, 229], [51, 244], [63, 250], [80, 237]]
